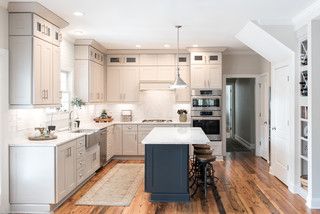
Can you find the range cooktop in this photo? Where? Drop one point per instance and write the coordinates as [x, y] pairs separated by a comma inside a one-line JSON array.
[[156, 121]]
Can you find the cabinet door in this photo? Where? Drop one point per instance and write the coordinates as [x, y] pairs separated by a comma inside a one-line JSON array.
[[101, 83], [114, 59], [66, 169], [96, 158], [148, 73], [70, 169], [117, 140], [199, 76], [183, 95], [213, 58], [184, 59], [166, 73], [166, 59], [130, 140], [131, 60], [198, 59], [148, 59], [143, 131], [42, 72], [215, 76], [113, 84], [110, 139], [93, 95], [56, 74], [130, 84]]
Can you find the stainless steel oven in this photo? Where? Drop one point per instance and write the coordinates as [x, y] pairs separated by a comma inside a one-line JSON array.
[[206, 99], [209, 121]]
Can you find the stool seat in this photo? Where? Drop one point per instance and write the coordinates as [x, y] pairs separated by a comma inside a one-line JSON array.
[[206, 158], [201, 146], [202, 152]]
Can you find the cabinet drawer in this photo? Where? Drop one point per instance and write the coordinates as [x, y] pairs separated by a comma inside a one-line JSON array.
[[133, 128], [80, 153], [81, 142], [80, 163], [80, 176]]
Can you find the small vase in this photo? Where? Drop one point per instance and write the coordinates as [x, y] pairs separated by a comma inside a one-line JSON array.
[[183, 118]]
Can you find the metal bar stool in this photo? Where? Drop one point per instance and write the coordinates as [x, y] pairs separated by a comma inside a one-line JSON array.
[[204, 173]]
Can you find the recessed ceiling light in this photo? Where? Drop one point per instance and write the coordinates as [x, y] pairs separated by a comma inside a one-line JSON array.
[[195, 46], [78, 32], [78, 13], [167, 46], [138, 46]]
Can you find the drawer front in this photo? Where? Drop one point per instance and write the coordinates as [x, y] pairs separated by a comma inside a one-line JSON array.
[[42, 29], [81, 142], [130, 128], [80, 153], [80, 176], [80, 163]]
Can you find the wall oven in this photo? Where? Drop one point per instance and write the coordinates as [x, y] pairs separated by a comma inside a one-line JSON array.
[[209, 121], [206, 112], [206, 99]]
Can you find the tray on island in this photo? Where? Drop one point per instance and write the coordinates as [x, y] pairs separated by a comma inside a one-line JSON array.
[[103, 120], [40, 138]]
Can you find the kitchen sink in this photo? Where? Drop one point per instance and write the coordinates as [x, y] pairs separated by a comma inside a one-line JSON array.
[[84, 131]]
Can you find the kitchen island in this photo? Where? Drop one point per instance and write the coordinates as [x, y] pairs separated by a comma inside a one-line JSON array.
[[167, 162]]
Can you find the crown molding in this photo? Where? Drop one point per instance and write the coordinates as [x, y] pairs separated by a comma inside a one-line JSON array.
[[39, 9], [92, 43], [146, 51], [206, 49], [306, 15]]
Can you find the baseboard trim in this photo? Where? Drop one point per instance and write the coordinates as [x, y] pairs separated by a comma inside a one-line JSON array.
[[244, 142], [313, 203]]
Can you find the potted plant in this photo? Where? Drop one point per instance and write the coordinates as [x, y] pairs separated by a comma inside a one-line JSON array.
[[78, 103], [104, 114], [182, 115]]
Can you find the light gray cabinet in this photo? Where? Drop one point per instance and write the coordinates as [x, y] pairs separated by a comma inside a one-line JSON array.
[[130, 139], [66, 169], [34, 61]]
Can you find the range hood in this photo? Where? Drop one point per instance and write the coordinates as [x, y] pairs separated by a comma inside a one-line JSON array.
[[156, 85]]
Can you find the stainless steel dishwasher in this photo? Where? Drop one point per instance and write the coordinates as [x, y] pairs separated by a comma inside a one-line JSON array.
[[103, 146]]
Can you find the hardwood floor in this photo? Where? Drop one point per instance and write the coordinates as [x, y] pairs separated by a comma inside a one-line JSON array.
[[245, 186]]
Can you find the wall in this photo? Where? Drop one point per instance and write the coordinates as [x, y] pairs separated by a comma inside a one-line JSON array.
[[244, 110], [3, 109], [244, 63]]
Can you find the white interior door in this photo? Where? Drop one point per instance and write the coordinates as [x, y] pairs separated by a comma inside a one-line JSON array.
[[280, 129], [264, 117]]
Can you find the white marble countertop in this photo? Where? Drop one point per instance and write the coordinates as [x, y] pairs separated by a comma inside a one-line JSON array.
[[176, 135], [66, 136]]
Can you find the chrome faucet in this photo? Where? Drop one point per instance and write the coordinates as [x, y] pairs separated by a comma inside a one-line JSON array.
[[70, 120]]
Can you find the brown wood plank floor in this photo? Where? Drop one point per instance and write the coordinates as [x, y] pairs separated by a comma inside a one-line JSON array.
[[245, 186]]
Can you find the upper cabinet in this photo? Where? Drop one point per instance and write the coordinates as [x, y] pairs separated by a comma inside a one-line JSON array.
[[122, 84], [34, 59], [206, 70], [205, 58], [122, 60], [89, 75]]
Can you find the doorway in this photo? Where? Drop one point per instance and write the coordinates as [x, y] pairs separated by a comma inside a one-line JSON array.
[[240, 114]]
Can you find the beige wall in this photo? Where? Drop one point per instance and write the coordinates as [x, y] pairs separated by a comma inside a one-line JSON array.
[[245, 64], [3, 28]]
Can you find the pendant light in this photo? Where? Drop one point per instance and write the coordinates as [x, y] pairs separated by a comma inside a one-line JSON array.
[[178, 83]]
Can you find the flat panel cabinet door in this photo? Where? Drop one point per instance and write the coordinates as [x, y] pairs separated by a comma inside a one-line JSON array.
[[56, 74], [117, 140], [113, 84], [42, 72], [215, 76], [166, 59], [93, 96], [101, 83], [130, 140], [183, 95], [166, 73], [148, 73], [199, 76], [71, 169], [130, 84]]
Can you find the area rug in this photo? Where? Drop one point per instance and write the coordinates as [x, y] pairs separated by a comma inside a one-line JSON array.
[[117, 188]]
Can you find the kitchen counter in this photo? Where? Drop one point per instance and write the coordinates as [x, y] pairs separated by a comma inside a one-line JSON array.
[[176, 135], [66, 136], [167, 162]]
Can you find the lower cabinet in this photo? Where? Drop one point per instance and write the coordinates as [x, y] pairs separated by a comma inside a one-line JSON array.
[[110, 141], [66, 169], [92, 160], [117, 140], [130, 139]]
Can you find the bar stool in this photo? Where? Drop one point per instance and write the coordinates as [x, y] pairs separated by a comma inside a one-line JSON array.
[[198, 149], [204, 174]]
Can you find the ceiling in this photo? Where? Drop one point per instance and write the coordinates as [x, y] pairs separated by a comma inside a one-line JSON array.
[[123, 24]]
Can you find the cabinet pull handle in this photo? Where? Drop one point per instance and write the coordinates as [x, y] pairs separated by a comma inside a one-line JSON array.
[[42, 94]]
